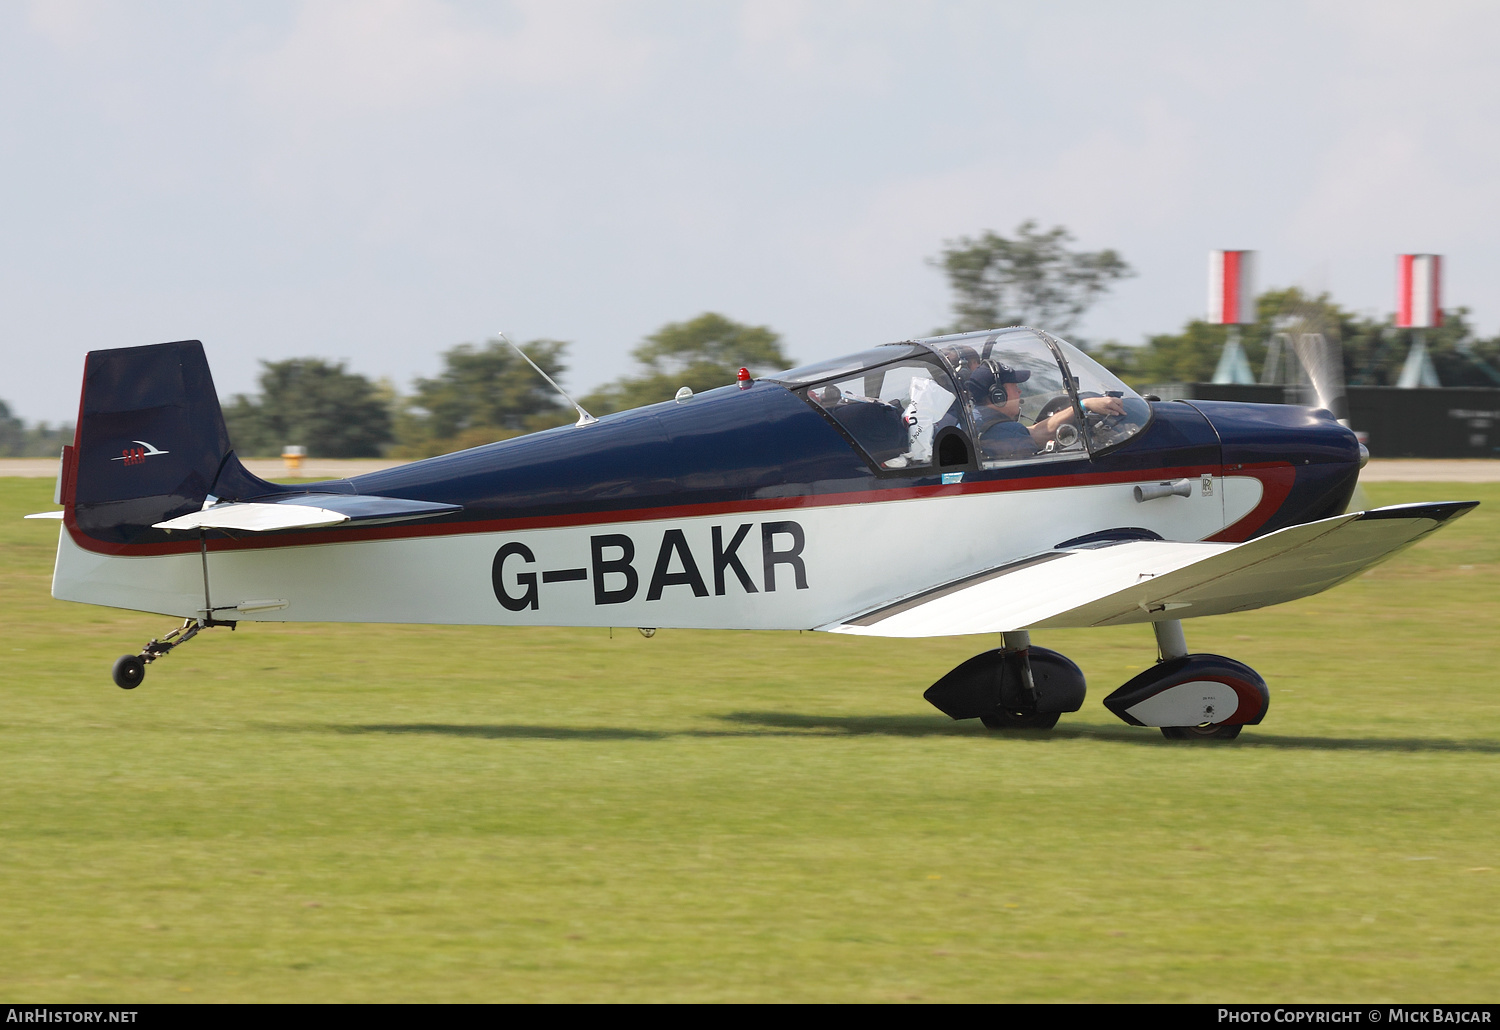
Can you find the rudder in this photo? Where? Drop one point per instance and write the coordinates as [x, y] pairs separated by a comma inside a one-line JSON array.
[[151, 442]]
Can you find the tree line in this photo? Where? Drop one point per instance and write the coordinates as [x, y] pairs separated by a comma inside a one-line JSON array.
[[484, 392], [1374, 349], [18, 440]]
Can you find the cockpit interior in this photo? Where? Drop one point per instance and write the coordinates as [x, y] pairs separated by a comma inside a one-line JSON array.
[[985, 400]]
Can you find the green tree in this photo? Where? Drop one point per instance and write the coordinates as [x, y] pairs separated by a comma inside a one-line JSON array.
[[1458, 356], [311, 403], [702, 353], [1031, 279], [1191, 355], [12, 433], [483, 394], [1188, 356], [17, 440]]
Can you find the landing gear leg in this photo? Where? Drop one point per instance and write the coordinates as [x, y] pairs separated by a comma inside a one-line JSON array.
[[1020, 713], [1170, 640], [130, 669]]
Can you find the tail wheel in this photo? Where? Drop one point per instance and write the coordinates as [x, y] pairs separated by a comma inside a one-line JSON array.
[[1000, 719], [128, 672], [1206, 732]]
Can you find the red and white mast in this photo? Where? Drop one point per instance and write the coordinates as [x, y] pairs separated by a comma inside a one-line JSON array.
[[1231, 302], [1419, 291], [1419, 305]]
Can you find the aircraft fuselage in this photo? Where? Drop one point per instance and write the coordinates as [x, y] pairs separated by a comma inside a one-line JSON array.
[[741, 508]]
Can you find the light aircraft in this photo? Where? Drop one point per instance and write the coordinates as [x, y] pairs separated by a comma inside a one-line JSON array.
[[985, 483]]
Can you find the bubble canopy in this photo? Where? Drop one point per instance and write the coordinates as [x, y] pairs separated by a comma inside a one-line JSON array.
[[834, 368], [1018, 394]]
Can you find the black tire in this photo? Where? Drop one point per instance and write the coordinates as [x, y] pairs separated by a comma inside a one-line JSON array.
[[128, 672], [1000, 719], [1201, 732]]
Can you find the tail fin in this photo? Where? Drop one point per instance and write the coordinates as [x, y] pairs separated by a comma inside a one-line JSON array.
[[151, 442]]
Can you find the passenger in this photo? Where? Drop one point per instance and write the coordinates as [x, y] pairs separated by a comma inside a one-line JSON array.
[[827, 397], [962, 358], [877, 425], [995, 390]]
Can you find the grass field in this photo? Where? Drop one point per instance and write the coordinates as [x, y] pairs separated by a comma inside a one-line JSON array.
[[392, 813]]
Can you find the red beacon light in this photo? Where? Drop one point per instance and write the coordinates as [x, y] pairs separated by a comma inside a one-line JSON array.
[[743, 378]]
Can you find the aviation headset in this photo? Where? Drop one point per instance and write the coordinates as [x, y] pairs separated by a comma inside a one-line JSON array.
[[987, 380]]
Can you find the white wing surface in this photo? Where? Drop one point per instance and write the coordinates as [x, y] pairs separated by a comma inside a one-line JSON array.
[[1150, 580]]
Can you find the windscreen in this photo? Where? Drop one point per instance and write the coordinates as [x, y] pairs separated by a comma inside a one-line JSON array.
[[1016, 395], [1104, 428]]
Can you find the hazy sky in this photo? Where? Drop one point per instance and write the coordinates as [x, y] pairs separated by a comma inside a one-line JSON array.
[[378, 180]]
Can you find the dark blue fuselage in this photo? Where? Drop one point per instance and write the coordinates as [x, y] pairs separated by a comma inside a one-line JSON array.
[[764, 443], [760, 445]]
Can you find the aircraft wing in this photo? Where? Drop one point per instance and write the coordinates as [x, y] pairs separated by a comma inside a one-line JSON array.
[[307, 511], [1149, 580]]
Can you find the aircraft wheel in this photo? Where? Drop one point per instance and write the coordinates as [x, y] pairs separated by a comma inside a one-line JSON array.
[[1201, 732], [128, 672], [1000, 719]]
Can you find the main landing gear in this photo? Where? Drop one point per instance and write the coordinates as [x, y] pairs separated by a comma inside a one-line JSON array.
[[1203, 697], [1015, 687], [130, 669]]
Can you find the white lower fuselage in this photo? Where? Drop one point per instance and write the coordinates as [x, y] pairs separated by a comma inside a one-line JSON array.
[[852, 556]]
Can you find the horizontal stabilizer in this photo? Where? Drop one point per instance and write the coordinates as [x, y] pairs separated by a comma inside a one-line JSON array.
[[44, 515], [307, 511], [1151, 580]]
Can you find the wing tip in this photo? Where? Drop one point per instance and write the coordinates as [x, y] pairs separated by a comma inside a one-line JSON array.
[[1438, 511]]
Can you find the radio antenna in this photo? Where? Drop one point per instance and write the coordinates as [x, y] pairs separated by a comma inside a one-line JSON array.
[[584, 418]]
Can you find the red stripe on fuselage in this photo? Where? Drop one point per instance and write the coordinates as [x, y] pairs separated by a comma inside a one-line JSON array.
[[1276, 481], [1269, 474]]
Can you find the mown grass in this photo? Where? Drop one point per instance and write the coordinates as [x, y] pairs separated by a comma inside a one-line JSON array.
[[375, 813]]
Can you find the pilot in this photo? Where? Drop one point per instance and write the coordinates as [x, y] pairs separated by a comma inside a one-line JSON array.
[[995, 390]]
